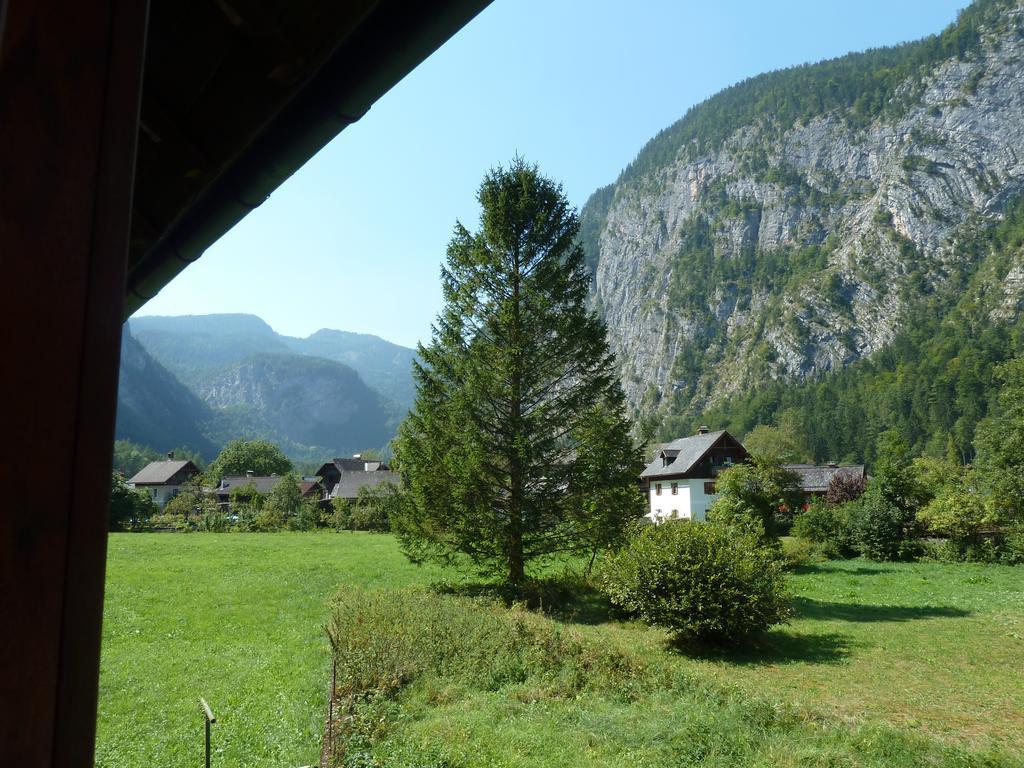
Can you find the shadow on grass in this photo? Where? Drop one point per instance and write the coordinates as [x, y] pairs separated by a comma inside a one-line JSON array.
[[566, 597], [860, 570], [859, 612], [776, 647]]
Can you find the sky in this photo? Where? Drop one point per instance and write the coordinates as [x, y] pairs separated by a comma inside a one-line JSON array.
[[354, 240]]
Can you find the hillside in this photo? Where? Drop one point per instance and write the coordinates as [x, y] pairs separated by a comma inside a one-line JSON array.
[[235, 377], [154, 408], [796, 239], [384, 366], [296, 401], [196, 347]]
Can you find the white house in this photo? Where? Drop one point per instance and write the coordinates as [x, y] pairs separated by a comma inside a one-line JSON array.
[[680, 481], [163, 480]]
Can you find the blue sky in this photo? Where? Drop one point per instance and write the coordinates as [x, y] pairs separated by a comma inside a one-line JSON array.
[[355, 239]]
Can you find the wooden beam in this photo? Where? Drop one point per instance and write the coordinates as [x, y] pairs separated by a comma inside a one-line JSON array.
[[70, 78]]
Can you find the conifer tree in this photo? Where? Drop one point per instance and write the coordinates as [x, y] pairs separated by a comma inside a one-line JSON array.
[[517, 446]]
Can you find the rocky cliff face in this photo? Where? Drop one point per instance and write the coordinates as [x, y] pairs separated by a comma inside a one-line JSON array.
[[791, 250], [301, 399]]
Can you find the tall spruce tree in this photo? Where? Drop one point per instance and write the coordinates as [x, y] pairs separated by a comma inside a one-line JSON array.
[[517, 446]]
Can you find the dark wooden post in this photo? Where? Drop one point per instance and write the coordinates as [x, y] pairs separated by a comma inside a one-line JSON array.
[[70, 79]]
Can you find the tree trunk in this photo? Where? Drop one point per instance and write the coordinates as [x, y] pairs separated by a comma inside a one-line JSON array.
[[516, 572]]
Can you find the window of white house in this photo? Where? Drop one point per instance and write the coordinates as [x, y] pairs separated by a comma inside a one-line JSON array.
[[709, 488], [657, 489], [675, 489]]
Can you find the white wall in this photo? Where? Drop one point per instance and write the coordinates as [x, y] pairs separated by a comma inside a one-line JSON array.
[[688, 503], [160, 494]]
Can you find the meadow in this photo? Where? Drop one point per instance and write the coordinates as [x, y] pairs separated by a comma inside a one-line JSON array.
[[885, 664]]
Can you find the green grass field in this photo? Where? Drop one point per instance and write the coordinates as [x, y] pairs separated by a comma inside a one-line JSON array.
[[901, 663], [237, 619]]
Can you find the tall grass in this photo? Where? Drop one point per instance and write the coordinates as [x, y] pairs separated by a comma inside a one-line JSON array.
[[428, 679]]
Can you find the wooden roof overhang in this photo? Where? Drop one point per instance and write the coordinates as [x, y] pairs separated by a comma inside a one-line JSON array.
[[235, 96], [238, 94]]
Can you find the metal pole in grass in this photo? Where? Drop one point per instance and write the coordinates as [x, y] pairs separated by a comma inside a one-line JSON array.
[[330, 705], [210, 720]]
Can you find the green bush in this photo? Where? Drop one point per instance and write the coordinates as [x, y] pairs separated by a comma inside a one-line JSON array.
[[1013, 545], [884, 530], [829, 528], [307, 518], [267, 521], [705, 582], [169, 520]]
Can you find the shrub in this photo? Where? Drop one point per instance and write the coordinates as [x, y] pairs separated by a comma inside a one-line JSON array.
[[307, 518], [829, 528], [706, 582], [266, 520], [757, 496], [843, 488], [169, 520], [884, 530], [797, 552]]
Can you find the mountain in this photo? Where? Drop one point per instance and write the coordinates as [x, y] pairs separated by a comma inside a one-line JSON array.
[[384, 366], [154, 408], [296, 401], [195, 347], [249, 381], [838, 238]]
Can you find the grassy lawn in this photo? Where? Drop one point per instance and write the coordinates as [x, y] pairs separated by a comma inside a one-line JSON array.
[[934, 651], [935, 648], [237, 619]]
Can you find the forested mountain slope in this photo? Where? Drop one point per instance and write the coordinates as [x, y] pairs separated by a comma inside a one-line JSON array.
[[238, 378], [839, 238], [154, 408]]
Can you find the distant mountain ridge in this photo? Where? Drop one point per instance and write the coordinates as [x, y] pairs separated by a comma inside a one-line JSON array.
[[194, 346], [201, 380]]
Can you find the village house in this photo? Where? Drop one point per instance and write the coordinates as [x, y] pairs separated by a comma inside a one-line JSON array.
[[262, 485], [814, 479], [342, 478], [680, 481], [163, 480]]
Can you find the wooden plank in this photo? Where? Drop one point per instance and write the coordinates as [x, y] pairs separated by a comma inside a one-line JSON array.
[[70, 75]]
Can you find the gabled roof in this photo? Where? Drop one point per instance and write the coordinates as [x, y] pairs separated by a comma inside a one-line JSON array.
[[815, 479], [683, 454], [350, 483], [262, 484], [345, 464], [306, 487], [161, 472]]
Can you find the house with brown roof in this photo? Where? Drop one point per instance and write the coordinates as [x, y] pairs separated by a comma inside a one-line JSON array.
[[163, 480], [814, 479], [680, 480]]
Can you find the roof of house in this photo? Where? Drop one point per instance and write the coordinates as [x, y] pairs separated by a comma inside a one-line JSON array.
[[260, 483], [687, 451], [350, 483], [345, 464], [161, 472], [308, 486], [815, 479]]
